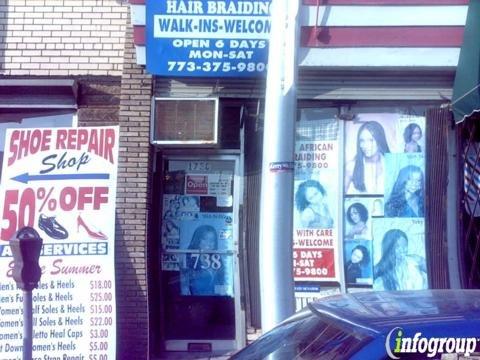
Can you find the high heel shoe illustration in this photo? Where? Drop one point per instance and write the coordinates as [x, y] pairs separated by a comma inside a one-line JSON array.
[[51, 227], [93, 234]]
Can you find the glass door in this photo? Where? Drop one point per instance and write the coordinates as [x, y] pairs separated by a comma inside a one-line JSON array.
[[198, 254]]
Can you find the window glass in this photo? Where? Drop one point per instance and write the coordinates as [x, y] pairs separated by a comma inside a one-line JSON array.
[[360, 189], [197, 250]]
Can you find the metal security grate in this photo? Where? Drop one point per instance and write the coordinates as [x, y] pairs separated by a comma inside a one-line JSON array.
[[469, 181]]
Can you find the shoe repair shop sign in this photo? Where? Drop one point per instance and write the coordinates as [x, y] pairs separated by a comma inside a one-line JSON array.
[[207, 38], [62, 182]]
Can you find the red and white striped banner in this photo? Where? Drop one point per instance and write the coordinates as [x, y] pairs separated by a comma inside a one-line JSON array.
[[391, 33]]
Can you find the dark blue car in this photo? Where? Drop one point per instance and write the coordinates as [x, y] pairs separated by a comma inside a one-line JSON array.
[[424, 324]]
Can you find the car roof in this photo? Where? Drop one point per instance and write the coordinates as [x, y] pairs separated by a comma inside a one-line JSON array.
[[379, 311]]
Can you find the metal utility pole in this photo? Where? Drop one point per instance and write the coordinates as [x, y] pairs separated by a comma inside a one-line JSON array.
[[276, 207]]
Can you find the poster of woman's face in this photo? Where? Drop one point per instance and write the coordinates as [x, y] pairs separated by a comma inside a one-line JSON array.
[[411, 133], [316, 184], [367, 140], [357, 218], [399, 254], [313, 205], [171, 205], [219, 236], [358, 262], [188, 207], [170, 234], [413, 228], [205, 267], [405, 185]]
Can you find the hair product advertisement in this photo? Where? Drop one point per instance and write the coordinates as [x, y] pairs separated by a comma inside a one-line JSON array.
[[358, 239], [358, 262], [380, 221], [384, 205], [399, 254], [316, 192]]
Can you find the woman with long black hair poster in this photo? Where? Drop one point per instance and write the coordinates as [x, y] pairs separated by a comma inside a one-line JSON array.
[[399, 255], [368, 141]]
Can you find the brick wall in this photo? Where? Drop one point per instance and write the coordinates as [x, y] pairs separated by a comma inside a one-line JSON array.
[[98, 100], [125, 100], [85, 40], [62, 37], [133, 205]]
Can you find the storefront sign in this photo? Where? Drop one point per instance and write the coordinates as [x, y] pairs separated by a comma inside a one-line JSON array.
[[197, 184], [315, 237], [62, 182], [206, 38]]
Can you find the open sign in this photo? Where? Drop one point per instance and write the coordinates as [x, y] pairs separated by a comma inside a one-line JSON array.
[[197, 184]]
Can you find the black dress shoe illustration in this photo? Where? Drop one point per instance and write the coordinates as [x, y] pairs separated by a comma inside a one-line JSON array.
[[51, 227]]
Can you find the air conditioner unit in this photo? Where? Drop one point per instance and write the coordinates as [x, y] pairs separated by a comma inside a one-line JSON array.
[[184, 121]]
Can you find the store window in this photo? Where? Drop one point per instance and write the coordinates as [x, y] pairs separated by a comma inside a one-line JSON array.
[[360, 199], [36, 103], [12, 119]]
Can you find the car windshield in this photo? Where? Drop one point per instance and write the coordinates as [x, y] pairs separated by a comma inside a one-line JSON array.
[[308, 337]]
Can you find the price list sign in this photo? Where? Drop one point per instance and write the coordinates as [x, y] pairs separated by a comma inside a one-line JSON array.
[[62, 182], [207, 38]]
